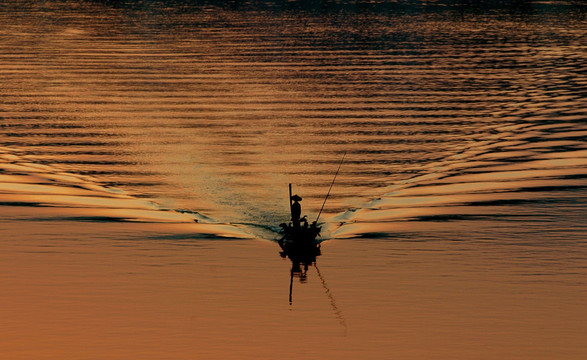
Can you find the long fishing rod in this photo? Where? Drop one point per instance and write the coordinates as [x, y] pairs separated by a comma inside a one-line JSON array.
[[326, 198]]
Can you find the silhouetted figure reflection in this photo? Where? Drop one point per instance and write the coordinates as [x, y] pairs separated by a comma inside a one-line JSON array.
[[300, 261]]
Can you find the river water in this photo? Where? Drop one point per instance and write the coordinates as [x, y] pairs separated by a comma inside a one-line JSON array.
[[146, 150]]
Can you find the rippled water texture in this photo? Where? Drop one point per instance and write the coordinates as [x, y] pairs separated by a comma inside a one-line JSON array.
[[169, 121], [216, 111]]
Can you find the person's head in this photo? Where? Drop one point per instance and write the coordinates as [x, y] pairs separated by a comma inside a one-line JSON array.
[[296, 198]]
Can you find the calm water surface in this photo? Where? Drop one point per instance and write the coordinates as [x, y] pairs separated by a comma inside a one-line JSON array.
[[455, 228]]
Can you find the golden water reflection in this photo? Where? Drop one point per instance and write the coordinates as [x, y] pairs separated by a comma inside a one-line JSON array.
[[146, 148], [91, 294]]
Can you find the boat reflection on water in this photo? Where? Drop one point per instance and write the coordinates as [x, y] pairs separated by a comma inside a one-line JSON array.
[[299, 267], [302, 251], [303, 255]]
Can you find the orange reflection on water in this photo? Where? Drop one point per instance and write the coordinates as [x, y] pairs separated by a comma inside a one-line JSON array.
[[73, 290], [142, 143]]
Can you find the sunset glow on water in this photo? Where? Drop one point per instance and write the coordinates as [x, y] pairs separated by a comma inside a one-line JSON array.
[[146, 150]]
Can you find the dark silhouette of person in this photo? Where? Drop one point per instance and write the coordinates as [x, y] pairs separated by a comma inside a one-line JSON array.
[[296, 211]]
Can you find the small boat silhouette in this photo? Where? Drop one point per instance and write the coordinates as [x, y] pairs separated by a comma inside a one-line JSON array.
[[298, 238], [300, 242]]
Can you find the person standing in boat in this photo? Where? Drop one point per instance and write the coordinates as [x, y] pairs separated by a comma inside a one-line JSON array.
[[296, 211]]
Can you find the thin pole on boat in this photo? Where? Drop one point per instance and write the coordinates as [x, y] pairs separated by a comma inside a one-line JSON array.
[[290, 201], [326, 198]]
